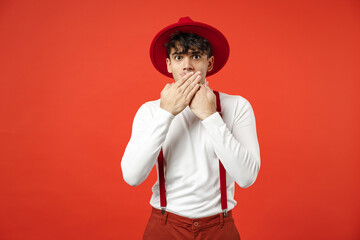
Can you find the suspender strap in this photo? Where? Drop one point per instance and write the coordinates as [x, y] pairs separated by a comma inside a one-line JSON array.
[[222, 172], [162, 182]]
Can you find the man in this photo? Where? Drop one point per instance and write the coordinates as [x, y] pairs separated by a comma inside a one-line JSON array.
[[202, 141]]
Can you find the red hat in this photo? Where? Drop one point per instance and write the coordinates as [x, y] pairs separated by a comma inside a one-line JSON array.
[[219, 44]]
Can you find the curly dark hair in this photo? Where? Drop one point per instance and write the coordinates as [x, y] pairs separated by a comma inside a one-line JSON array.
[[186, 42]]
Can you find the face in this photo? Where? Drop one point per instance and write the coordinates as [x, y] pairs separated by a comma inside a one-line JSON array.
[[181, 63]]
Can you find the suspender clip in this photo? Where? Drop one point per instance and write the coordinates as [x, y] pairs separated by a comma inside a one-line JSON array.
[[163, 210], [225, 212]]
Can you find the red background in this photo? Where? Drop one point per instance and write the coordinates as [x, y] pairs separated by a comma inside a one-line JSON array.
[[74, 73]]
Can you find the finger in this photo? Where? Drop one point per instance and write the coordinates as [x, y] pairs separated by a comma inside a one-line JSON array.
[[192, 84], [190, 81], [167, 86], [191, 94], [208, 87], [183, 79]]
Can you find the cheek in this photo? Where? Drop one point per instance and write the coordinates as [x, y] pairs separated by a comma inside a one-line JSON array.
[[203, 75], [204, 71]]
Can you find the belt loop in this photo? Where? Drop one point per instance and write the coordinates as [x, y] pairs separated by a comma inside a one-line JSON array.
[[164, 218]]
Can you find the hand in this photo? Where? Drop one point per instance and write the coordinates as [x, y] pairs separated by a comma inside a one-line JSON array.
[[176, 96], [203, 103]]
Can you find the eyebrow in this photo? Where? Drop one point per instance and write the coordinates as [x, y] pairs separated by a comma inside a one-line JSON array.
[[176, 53], [192, 53]]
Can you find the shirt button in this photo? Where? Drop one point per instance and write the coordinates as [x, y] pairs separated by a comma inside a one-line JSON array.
[[196, 224]]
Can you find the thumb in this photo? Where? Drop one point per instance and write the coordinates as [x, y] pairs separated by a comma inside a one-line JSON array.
[[167, 86], [207, 86], [164, 90]]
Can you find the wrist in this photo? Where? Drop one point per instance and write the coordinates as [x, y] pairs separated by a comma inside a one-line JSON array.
[[168, 110], [206, 115]]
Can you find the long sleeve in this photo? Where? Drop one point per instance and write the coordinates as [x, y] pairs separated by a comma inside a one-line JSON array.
[[238, 150], [150, 126]]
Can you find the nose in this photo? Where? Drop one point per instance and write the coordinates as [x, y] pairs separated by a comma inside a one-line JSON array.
[[187, 64]]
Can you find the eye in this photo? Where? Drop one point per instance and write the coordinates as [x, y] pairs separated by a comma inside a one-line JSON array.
[[196, 57], [178, 57]]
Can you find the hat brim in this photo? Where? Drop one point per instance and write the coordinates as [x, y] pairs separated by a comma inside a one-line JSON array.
[[218, 42]]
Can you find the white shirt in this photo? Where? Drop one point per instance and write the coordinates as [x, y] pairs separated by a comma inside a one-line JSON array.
[[192, 149]]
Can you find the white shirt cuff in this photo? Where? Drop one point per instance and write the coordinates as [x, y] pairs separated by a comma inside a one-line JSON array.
[[163, 116], [214, 120]]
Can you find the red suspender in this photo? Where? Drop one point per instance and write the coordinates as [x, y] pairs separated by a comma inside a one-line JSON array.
[[162, 182], [222, 171]]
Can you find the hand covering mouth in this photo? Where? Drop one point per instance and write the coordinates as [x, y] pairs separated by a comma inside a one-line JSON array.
[[184, 73]]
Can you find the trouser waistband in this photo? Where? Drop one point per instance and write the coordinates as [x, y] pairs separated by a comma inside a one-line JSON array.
[[198, 223]]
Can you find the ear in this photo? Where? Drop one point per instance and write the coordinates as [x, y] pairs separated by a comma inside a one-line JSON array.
[[210, 63], [168, 64]]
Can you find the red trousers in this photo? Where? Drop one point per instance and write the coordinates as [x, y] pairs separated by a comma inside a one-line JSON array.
[[172, 227]]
